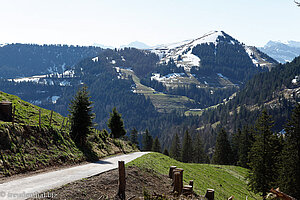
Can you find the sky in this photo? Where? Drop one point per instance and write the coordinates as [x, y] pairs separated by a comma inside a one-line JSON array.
[[119, 22]]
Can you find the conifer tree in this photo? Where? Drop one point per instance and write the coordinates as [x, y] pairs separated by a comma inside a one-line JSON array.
[[147, 141], [156, 145], [199, 154], [81, 116], [235, 146], [246, 141], [187, 148], [166, 152], [134, 136], [116, 124], [175, 150], [263, 157], [290, 167], [223, 152]]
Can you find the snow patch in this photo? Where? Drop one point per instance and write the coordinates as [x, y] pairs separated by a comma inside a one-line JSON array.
[[159, 78], [296, 80], [250, 52], [65, 83], [221, 75], [181, 52], [96, 59], [54, 99]]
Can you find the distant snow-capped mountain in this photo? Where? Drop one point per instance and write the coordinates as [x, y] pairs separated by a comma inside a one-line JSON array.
[[137, 45], [282, 51], [182, 53]]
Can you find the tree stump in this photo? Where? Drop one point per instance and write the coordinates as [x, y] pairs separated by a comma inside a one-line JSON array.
[[171, 171], [180, 180], [122, 181], [210, 194], [177, 184]]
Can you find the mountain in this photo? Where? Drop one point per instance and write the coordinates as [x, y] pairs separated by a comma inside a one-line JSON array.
[[282, 52], [103, 46], [278, 91], [137, 45], [218, 56], [21, 60], [152, 88]]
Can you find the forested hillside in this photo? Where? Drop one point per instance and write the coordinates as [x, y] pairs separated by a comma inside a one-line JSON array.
[[22, 60], [278, 91]]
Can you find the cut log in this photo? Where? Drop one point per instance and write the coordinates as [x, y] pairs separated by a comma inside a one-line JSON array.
[[171, 171], [187, 189], [210, 194], [281, 195]]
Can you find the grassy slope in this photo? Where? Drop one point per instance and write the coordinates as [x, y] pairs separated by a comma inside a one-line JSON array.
[[225, 180], [28, 147], [28, 114], [162, 102]]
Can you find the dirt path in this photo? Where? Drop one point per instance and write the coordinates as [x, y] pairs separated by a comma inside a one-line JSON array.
[[27, 187]]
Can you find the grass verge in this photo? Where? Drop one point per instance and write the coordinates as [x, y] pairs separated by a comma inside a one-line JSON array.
[[225, 180]]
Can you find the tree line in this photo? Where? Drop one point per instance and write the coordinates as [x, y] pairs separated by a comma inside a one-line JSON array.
[[271, 157]]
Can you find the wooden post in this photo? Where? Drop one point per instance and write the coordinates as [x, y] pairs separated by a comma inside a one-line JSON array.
[[210, 194], [40, 112], [177, 181], [171, 171], [51, 117], [181, 178], [122, 181], [191, 183]]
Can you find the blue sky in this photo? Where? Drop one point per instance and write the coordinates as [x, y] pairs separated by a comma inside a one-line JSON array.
[[117, 22]]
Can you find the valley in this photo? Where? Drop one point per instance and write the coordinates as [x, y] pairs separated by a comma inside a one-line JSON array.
[[176, 99]]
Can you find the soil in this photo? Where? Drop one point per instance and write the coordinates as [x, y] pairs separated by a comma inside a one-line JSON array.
[[105, 186]]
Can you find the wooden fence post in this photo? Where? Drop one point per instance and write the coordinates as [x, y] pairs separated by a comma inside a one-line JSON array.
[[180, 179], [177, 185], [191, 183], [210, 194], [122, 181], [171, 171], [51, 117]]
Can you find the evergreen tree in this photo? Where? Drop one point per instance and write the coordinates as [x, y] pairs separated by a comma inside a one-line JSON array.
[[147, 141], [116, 125], [166, 152], [199, 155], [175, 150], [156, 145], [235, 146], [223, 152], [246, 141], [263, 156], [187, 148], [81, 116], [134, 136], [290, 167]]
